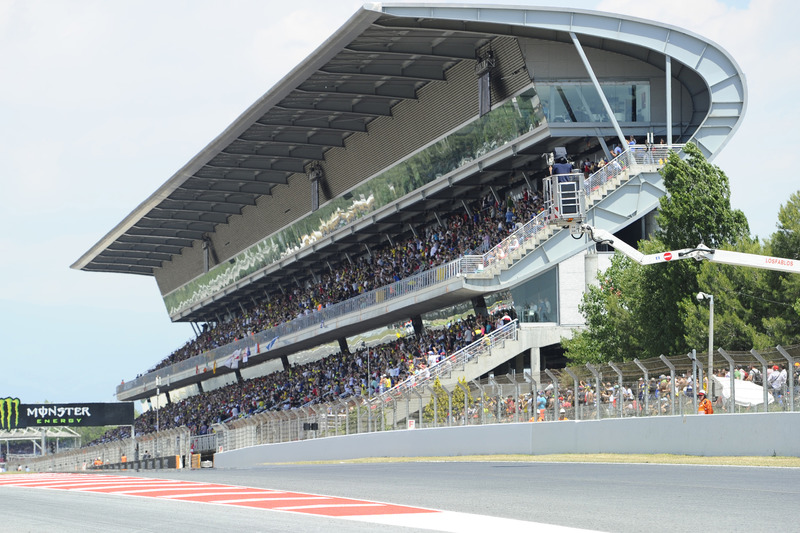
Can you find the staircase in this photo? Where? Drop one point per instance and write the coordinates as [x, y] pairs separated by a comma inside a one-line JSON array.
[[602, 208], [468, 364]]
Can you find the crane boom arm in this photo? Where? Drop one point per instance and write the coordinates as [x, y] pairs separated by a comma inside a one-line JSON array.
[[699, 253]]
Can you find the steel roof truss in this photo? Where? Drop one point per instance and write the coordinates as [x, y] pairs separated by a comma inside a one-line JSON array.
[[396, 49], [244, 163], [282, 137], [176, 224], [213, 186], [184, 234], [243, 176], [314, 123], [150, 251], [199, 206], [374, 72], [387, 91], [156, 240], [329, 109], [183, 195], [187, 216]]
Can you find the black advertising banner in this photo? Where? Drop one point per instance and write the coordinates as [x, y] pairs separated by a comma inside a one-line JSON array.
[[14, 414]]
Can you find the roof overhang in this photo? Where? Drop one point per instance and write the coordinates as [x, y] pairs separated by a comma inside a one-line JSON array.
[[381, 56]]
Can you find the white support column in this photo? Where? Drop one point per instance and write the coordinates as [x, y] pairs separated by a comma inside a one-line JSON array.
[[668, 74], [596, 83]]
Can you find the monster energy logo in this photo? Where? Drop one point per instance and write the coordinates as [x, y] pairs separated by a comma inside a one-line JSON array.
[[9, 413]]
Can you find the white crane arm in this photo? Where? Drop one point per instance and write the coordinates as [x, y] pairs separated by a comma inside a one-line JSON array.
[[699, 253]]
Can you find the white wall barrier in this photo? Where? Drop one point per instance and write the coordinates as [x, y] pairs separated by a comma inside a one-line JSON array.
[[757, 434]]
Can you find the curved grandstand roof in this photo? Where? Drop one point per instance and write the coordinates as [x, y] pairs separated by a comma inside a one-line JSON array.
[[385, 54]]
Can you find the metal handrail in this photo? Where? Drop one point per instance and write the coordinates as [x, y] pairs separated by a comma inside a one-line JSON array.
[[476, 349]]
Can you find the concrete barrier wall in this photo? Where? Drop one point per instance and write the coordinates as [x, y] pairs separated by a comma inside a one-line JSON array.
[[760, 434]]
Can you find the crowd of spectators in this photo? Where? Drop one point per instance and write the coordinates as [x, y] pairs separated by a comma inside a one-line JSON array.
[[489, 223], [366, 372]]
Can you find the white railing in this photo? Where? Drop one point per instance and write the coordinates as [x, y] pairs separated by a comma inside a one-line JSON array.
[[480, 347]]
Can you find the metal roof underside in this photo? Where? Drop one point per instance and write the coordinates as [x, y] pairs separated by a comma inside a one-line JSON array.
[[375, 61], [364, 80]]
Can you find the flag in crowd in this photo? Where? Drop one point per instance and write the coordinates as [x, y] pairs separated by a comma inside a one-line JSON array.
[[271, 343]]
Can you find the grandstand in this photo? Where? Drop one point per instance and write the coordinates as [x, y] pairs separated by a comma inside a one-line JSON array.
[[407, 118]]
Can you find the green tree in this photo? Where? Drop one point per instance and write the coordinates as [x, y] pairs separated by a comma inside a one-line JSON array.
[[643, 311], [443, 405], [697, 207], [754, 308], [741, 300], [783, 323], [90, 433], [695, 211]]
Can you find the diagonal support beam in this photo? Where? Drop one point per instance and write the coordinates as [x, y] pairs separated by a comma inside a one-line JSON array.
[[599, 89]]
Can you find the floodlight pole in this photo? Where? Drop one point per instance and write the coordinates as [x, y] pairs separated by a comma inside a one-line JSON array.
[[710, 374]]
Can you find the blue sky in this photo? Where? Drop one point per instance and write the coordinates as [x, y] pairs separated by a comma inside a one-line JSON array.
[[101, 102]]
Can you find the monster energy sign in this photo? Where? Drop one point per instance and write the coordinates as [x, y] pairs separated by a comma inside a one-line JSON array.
[[14, 414]]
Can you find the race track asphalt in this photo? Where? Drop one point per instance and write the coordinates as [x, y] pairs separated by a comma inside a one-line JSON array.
[[602, 497]]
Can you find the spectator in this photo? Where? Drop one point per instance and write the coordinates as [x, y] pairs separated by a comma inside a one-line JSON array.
[[704, 406]]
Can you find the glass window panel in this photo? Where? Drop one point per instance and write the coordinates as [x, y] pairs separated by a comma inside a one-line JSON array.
[[507, 121], [537, 300], [579, 102]]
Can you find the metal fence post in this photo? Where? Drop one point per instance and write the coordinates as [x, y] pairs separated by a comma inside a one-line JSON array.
[[693, 356], [466, 401], [764, 377], [597, 395], [646, 391], [790, 383], [671, 382], [534, 394], [729, 359], [495, 386], [556, 403], [298, 415], [435, 405], [513, 379], [369, 406], [407, 394], [346, 406], [449, 405], [483, 398], [620, 399], [575, 397]]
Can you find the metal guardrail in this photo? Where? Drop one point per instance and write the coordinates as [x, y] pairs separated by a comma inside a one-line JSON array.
[[482, 346], [466, 265], [655, 387]]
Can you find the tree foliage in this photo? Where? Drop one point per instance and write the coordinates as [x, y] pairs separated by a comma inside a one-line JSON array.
[[442, 403], [637, 311], [697, 207], [784, 321]]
